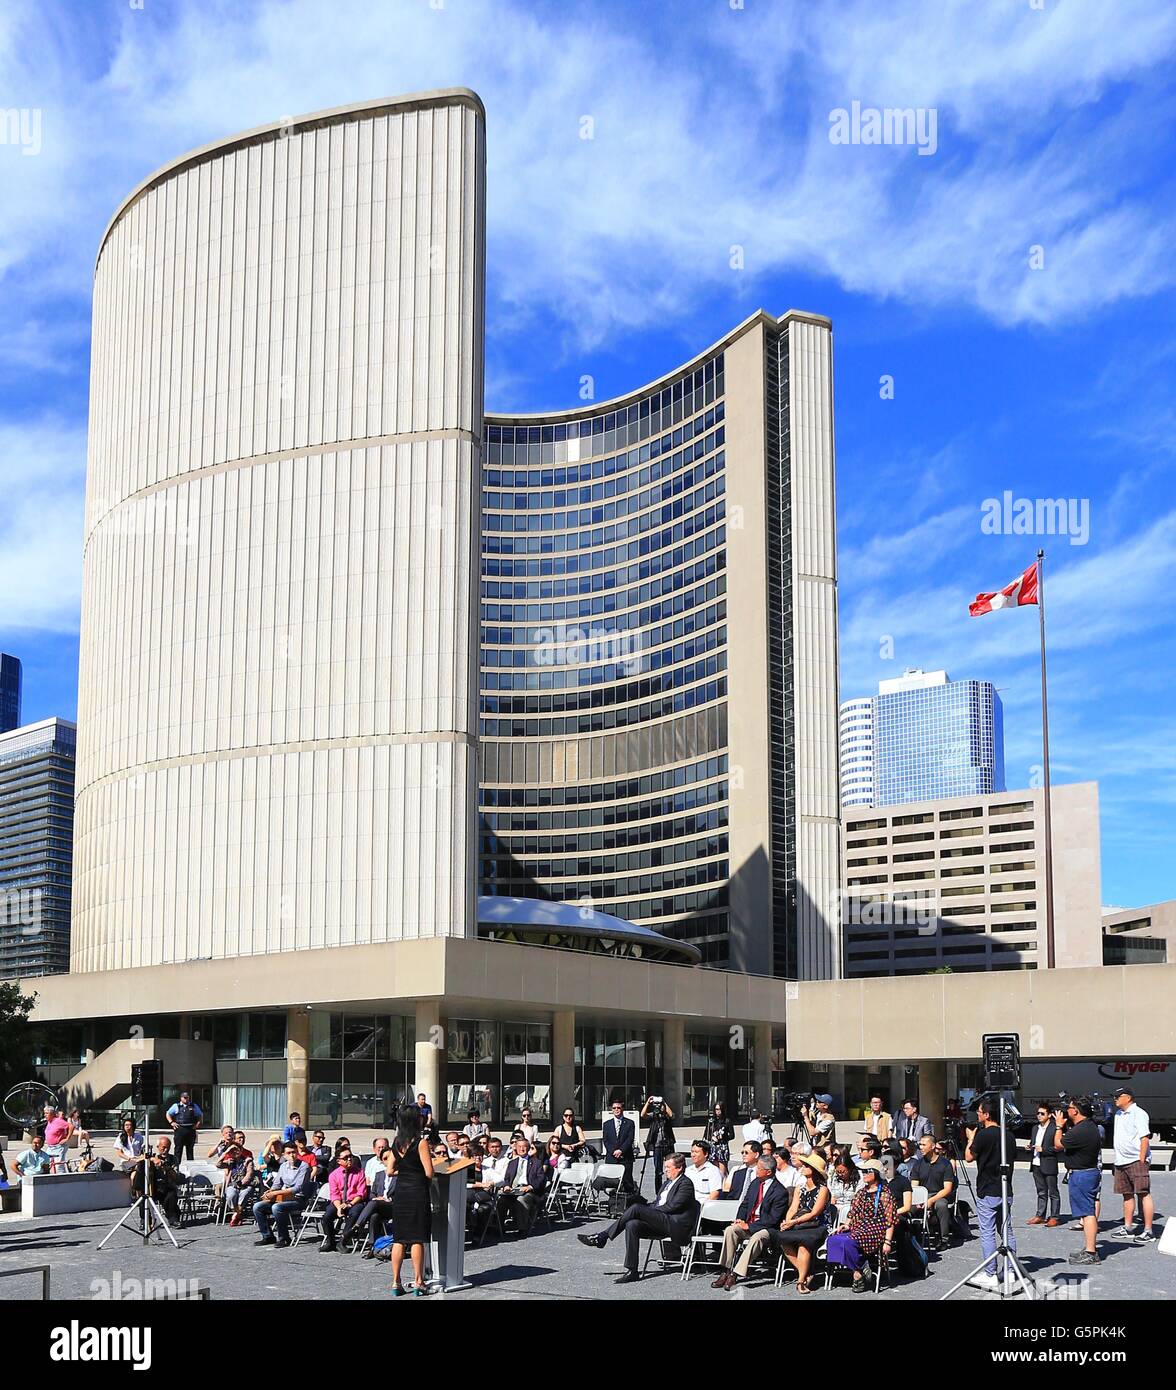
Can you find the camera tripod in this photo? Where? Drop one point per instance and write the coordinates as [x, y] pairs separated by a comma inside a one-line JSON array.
[[952, 1149], [1012, 1276], [151, 1220]]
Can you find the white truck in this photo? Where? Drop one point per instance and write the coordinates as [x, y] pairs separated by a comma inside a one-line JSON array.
[[1153, 1080]]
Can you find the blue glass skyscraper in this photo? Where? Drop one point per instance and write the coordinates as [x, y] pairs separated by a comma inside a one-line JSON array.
[[930, 738]]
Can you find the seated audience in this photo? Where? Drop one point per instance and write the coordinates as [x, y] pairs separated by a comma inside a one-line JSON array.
[[224, 1142], [789, 1173], [554, 1158], [844, 1182], [287, 1192], [806, 1226], [33, 1161], [738, 1176], [347, 1193], [520, 1193], [704, 1175], [868, 1229], [670, 1217], [761, 1209], [936, 1174], [129, 1144], [475, 1127], [527, 1126], [239, 1176], [165, 1177], [375, 1164]]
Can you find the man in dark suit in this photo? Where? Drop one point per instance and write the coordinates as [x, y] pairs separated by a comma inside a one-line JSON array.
[[1043, 1165], [672, 1216], [738, 1177], [620, 1142], [522, 1188], [763, 1206]]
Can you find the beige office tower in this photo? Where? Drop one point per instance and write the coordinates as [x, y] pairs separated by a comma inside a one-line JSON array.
[[659, 654], [277, 704]]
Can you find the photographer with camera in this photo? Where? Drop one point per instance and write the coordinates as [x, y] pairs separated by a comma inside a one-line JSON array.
[[660, 1140], [819, 1120], [1077, 1135]]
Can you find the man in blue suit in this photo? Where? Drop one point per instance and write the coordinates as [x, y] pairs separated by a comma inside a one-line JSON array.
[[738, 1178], [620, 1142], [762, 1208]]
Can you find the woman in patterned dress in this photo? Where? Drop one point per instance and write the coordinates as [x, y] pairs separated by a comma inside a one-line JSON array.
[[869, 1227]]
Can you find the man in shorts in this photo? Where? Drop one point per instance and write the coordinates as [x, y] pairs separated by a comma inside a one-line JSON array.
[[1132, 1169]]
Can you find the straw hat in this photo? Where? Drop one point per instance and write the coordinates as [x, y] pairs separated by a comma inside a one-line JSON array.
[[813, 1161]]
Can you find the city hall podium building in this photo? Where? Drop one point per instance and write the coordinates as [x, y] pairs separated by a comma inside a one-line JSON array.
[[490, 755]]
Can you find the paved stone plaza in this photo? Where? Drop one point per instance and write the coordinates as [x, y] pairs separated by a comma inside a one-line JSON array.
[[549, 1264]]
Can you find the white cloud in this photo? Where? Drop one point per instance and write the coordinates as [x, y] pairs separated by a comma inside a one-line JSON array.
[[42, 471], [710, 130]]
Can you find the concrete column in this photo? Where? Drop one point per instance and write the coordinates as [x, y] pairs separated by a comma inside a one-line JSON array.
[[298, 1062], [673, 1040], [933, 1091], [897, 1087], [563, 1065], [763, 1067], [430, 1056]]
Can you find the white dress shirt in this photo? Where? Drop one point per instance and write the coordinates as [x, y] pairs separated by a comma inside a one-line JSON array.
[[705, 1180]]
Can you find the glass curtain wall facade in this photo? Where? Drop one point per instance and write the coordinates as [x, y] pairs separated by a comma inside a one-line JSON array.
[[611, 731], [36, 847], [939, 741]]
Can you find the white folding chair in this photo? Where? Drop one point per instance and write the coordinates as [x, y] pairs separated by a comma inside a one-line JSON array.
[[919, 1195], [720, 1213], [201, 1195], [567, 1187], [314, 1210], [604, 1198]]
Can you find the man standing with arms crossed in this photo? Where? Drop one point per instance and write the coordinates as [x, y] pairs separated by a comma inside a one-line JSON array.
[[1132, 1170]]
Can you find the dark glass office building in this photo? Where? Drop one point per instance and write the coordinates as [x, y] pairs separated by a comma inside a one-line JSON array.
[[36, 847], [10, 679]]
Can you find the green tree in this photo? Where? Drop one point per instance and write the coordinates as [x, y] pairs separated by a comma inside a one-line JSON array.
[[16, 1041]]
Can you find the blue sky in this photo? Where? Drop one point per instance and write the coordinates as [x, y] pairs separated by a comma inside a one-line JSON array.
[[611, 256]]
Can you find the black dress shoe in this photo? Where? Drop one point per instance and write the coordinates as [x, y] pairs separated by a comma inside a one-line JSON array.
[[630, 1276], [328, 1248], [265, 1240], [283, 1244], [596, 1242]]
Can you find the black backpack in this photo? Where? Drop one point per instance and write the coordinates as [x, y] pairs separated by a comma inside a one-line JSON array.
[[911, 1257]]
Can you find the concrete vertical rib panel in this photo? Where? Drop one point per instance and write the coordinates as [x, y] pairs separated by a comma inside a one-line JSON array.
[[277, 693], [815, 685]]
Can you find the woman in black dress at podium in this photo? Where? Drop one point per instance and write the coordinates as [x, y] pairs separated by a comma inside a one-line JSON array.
[[411, 1214]]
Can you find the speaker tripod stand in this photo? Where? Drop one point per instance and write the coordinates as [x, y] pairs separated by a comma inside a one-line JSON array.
[[151, 1220]]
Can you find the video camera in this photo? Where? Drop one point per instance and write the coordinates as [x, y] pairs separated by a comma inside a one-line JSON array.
[[792, 1103]]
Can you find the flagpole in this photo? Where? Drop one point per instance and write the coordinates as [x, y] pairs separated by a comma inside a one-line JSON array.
[[1049, 908]]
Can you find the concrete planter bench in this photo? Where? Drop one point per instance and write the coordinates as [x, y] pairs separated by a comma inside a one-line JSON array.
[[55, 1194]]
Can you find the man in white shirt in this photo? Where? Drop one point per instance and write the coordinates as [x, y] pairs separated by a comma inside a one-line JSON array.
[[1132, 1168], [703, 1174], [755, 1128], [375, 1164]]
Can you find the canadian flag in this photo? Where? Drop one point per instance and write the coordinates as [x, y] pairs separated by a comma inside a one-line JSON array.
[[1023, 589]]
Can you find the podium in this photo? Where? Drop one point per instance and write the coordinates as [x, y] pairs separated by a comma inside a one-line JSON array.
[[447, 1242]]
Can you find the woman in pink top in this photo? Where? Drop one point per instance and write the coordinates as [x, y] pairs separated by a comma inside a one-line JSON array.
[[57, 1136]]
